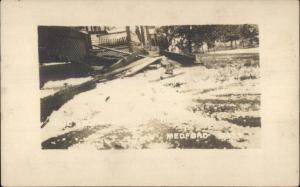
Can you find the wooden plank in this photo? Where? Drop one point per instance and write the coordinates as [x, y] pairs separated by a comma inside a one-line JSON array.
[[141, 65], [181, 58], [111, 49], [115, 50], [131, 65], [117, 64], [124, 61]]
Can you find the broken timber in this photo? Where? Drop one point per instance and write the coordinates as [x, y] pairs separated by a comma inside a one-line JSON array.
[[184, 59], [115, 50], [131, 68], [124, 61], [140, 65]]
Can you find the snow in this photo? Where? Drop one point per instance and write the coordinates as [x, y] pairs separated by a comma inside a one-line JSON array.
[[55, 63], [131, 104], [46, 93], [51, 87]]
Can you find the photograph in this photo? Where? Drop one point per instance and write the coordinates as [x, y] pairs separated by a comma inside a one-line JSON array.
[[149, 93], [149, 87]]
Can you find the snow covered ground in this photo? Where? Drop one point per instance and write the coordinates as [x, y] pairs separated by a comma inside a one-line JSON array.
[[51, 87], [138, 112], [55, 63]]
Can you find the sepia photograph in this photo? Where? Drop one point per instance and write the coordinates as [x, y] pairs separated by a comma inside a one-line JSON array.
[[149, 93], [150, 87]]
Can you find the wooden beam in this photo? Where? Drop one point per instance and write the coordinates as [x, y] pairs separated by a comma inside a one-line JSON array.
[[181, 58], [115, 50], [140, 65], [111, 49]]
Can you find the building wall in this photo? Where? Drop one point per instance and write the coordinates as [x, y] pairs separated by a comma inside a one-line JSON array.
[[57, 44]]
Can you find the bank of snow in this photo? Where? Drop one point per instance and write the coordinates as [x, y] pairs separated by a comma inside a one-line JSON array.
[[51, 87]]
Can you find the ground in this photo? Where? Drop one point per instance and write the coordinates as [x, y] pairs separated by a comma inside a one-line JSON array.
[[219, 99]]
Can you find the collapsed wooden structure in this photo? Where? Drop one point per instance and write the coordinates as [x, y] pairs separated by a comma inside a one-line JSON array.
[[82, 58], [125, 67]]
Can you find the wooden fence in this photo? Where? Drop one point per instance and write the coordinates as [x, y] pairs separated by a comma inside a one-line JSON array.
[[110, 40]]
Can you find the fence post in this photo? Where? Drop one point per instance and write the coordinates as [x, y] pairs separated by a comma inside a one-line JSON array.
[[129, 38]]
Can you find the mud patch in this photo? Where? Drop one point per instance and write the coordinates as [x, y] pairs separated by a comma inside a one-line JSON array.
[[204, 91], [246, 121], [66, 140], [115, 139], [245, 77], [157, 134], [175, 85], [212, 142], [231, 108], [222, 60], [211, 106], [153, 132]]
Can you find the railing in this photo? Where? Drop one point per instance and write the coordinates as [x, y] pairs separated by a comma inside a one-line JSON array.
[[112, 42], [111, 39]]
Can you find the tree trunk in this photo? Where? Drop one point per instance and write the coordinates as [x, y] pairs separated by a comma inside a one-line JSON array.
[[155, 39], [190, 46]]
